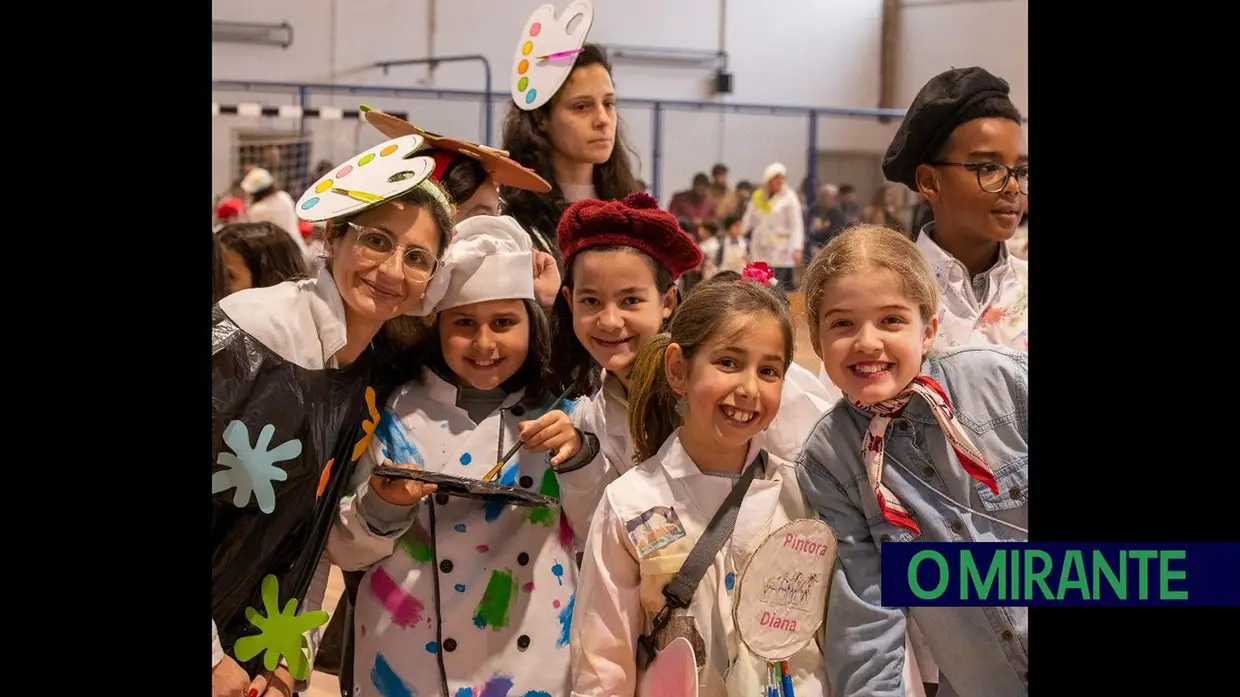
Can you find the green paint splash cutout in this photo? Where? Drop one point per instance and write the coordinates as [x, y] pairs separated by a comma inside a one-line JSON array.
[[281, 634]]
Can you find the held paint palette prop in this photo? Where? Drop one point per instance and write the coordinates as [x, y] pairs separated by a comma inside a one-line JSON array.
[[673, 672], [547, 51], [470, 488], [781, 598], [504, 170], [388, 170]]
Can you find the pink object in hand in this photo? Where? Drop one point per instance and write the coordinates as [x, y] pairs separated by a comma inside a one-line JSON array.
[[673, 673]]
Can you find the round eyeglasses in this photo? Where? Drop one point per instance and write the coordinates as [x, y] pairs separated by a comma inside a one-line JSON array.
[[992, 177], [377, 246]]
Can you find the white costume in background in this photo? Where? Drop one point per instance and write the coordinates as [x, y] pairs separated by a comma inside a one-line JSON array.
[[463, 594], [777, 223], [735, 254], [626, 567], [279, 208], [606, 415]]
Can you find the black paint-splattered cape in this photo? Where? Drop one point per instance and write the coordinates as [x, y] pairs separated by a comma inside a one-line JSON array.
[[283, 442]]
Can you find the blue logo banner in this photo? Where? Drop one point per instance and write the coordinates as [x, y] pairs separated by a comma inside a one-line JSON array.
[[1047, 574]]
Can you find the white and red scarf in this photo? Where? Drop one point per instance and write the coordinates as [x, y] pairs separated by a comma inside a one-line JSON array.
[[874, 443]]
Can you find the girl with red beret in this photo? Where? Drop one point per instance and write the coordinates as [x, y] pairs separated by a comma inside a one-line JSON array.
[[621, 263]]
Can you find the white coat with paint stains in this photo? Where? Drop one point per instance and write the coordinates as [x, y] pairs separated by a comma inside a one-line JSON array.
[[475, 598]]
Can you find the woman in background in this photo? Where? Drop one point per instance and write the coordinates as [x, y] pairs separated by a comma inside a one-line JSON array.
[[575, 142], [258, 255]]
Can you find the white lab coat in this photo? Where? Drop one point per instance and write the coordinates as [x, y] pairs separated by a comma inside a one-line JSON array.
[[606, 415], [778, 228], [623, 575], [476, 595]]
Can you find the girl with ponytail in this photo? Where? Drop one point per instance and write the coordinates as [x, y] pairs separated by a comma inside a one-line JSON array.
[[701, 397]]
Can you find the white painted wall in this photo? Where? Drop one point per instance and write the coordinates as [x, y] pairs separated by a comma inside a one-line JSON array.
[[822, 53], [936, 35]]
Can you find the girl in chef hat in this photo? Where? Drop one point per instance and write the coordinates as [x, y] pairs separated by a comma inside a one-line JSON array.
[[460, 591]]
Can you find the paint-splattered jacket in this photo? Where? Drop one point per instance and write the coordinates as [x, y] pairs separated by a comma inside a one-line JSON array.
[[473, 598], [628, 562]]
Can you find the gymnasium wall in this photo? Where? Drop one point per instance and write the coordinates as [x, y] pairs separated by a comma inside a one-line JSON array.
[[819, 53]]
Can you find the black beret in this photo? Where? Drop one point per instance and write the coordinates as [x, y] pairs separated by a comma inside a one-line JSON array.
[[946, 101]]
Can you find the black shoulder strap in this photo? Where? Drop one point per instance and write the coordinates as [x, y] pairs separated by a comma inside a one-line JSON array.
[[679, 592]]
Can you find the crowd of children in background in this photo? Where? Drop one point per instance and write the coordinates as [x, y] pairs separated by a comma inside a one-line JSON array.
[[713, 212]]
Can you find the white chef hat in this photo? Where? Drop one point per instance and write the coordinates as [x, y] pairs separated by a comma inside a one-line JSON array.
[[775, 169], [256, 180], [490, 258]]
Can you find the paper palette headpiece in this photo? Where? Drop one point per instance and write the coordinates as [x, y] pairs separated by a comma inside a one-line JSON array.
[[547, 51], [504, 170], [781, 598], [387, 171]]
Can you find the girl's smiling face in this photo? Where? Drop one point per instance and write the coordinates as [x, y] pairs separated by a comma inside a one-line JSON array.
[[733, 384], [485, 343], [871, 336], [616, 305]]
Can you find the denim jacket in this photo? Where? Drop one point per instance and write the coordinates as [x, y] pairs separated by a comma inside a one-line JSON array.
[[980, 651]]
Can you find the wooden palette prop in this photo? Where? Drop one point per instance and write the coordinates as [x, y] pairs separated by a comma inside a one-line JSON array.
[[387, 171], [504, 170], [547, 51], [781, 598]]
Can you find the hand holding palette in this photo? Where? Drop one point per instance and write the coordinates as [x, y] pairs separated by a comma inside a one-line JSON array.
[[387, 171], [547, 51]]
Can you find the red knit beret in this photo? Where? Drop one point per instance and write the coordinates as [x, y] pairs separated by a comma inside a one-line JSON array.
[[635, 222]]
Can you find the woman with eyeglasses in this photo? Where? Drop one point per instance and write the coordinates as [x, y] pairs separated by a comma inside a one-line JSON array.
[[294, 389], [470, 174], [299, 370]]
